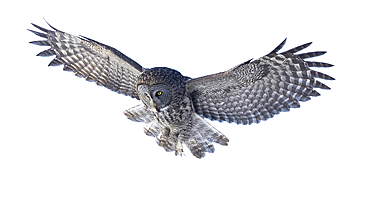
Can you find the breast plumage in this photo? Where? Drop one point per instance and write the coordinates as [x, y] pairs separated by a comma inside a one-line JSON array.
[[169, 114]]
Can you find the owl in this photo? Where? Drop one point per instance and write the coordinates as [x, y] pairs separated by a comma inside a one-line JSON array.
[[174, 107]]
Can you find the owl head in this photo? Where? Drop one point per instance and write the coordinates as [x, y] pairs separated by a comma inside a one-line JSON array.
[[159, 87]]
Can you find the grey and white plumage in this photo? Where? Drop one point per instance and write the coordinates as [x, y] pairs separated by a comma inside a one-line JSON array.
[[174, 106]]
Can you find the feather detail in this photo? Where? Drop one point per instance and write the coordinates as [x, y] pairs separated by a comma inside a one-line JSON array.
[[197, 134], [256, 91], [90, 59]]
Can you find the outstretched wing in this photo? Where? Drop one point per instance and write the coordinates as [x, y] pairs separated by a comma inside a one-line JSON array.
[[257, 90], [90, 59]]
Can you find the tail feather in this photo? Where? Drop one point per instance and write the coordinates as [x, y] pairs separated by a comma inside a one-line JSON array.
[[208, 132], [201, 137]]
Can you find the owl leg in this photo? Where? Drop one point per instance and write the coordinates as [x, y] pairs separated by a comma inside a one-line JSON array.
[[163, 139], [152, 129], [179, 149], [169, 139]]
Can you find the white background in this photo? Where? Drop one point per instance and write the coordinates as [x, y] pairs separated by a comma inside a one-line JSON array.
[[67, 150]]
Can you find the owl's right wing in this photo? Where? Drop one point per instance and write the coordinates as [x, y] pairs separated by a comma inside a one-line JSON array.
[[91, 60], [257, 90]]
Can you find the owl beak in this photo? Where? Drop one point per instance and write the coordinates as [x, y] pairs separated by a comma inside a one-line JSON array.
[[156, 107]]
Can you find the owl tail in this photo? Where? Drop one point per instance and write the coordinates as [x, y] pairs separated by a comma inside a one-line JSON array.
[[198, 135], [201, 137]]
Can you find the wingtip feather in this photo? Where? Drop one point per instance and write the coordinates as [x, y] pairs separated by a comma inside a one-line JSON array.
[[40, 43], [317, 74], [318, 84], [40, 28], [319, 64], [38, 33], [311, 54], [278, 47], [48, 52], [298, 48], [51, 26], [55, 62]]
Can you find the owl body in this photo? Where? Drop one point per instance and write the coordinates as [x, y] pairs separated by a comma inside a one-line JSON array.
[[176, 124], [174, 106]]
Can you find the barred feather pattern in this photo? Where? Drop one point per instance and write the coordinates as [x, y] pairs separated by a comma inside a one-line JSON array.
[[91, 60], [258, 90], [197, 134], [248, 93]]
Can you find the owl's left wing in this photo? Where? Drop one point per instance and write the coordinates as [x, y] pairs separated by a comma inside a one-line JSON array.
[[91, 60], [257, 90]]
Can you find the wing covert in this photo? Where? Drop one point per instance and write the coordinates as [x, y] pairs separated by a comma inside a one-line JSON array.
[[257, 90], [91, 60]]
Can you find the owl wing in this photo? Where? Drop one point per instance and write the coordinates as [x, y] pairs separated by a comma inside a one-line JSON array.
[[91, 60], [257, 90]]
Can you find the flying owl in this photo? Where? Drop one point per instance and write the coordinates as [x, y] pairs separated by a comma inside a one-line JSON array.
[[173, 106]]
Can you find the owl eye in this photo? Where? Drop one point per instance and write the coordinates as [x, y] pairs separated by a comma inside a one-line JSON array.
[[147, 95], [159, 93]]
